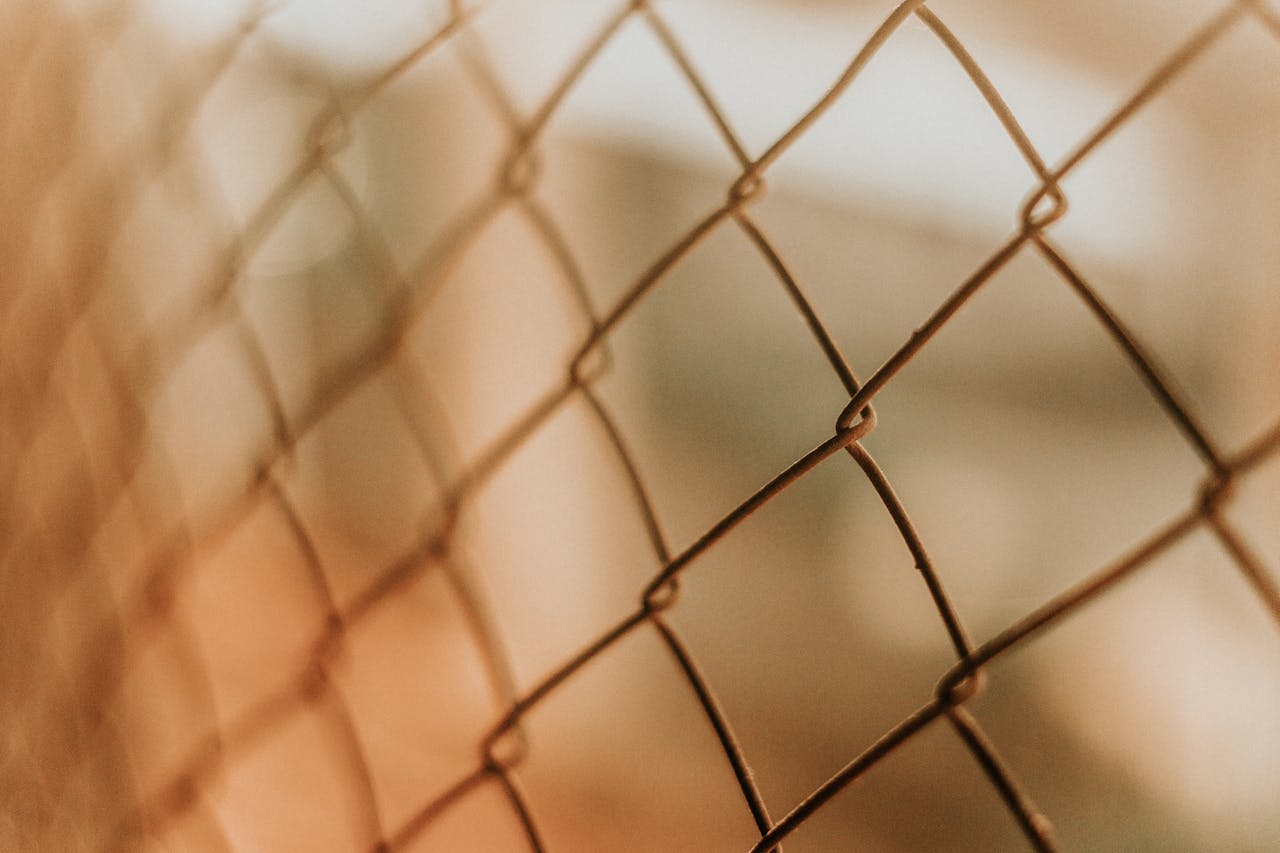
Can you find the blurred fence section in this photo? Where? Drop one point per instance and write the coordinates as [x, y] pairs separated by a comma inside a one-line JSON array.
[[427, 426]]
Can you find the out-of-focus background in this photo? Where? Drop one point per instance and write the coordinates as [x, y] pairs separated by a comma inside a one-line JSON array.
[[220, 439]]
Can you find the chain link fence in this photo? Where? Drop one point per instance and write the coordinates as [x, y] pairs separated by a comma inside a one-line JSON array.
[[177, 604]]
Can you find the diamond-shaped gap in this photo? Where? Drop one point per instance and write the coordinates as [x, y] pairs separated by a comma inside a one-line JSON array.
[[811, 624], [768, 65], [629, 139], [912, 141], [142, 533], [102, 427], [327, 307], [530, 48], [37, 322], [62, 635], [313, 326], [257, 132], [312, 802], [163, 704], [1146, 719], [82, 627], [113, 109], [928, 794], [353, 46], [123, 542], [622, 206], [436, 146], [361, 486], [140, 46], [1186, 256], [412, 673], [1064, 68], [61, 496], [256, 611], [717, 384], [168, 256], [558, 539], [211, 422], [1026, 445], [622, 758], [72, 653], [497, 335], [871, 279], [159, 517], [635, 98], [873, 272]]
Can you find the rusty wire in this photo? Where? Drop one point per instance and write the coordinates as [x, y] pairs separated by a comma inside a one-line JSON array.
[[139, 365]]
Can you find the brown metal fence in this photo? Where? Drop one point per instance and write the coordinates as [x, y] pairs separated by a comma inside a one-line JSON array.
[[86, 359]]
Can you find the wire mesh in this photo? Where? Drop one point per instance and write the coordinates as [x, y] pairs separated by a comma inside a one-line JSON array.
[[103, 531]]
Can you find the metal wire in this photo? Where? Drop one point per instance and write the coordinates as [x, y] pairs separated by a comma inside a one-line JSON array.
[[103, 475]]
